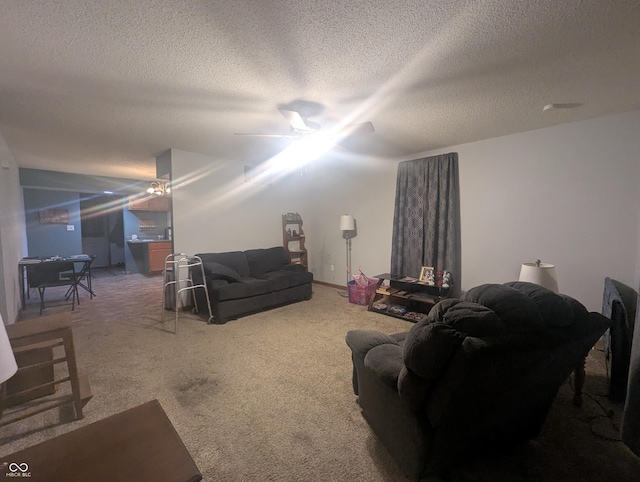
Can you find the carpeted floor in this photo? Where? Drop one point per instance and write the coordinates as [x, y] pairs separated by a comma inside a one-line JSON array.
[[269, 397]]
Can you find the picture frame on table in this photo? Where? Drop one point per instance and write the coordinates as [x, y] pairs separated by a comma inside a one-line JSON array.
[[427, 275]]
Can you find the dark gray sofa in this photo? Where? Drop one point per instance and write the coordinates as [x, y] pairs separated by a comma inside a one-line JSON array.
[[244, 282], [479, 373]]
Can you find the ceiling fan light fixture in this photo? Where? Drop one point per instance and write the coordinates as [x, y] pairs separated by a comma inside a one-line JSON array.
[[159, 188], [301, 127]]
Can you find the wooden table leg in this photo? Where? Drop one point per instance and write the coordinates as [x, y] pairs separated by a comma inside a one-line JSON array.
[[578, 383]]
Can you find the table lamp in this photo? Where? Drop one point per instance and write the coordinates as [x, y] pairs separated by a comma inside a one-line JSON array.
[[8, 366], [543, 274]]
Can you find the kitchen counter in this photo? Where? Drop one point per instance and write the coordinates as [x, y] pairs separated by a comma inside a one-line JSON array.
[[140, 241], [149, 254]]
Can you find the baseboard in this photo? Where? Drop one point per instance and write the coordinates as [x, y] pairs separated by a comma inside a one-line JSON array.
[[182, 309], [331, 285]]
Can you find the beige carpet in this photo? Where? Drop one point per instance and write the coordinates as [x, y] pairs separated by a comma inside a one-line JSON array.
[[269, 397]]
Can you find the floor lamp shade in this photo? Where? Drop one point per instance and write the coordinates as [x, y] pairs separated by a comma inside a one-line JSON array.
[[8, 365], [543, 274], [347, 223]]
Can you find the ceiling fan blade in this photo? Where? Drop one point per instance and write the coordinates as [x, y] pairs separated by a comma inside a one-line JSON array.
[[357, 129], [263, 135], [295, 119]]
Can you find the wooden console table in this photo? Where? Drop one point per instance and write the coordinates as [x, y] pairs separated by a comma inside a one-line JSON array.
[[409, 300], [138, 444]]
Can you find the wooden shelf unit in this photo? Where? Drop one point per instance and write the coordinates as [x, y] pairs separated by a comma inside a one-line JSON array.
[[416, 298], [294, 243]]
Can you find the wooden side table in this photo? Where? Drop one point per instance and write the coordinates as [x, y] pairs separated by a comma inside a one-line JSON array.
[[138, 444]]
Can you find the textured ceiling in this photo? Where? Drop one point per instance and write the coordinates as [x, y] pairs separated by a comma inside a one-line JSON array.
[[103, 86]]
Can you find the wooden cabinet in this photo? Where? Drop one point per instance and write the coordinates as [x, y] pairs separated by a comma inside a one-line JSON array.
[[293, 239], [157, 252], [149, 203]]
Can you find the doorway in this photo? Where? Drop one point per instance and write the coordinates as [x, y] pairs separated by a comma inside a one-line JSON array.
[[102, 228]]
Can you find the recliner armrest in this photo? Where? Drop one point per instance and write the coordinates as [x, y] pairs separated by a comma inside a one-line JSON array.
[[361, 342], [385, 361]]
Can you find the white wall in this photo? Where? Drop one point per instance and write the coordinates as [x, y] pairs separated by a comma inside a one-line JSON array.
[[568, 195], [12, 234], [214, 210], [364, 188]]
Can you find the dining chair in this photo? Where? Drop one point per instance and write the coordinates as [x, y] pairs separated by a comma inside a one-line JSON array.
[[45, 275], [78, 276]]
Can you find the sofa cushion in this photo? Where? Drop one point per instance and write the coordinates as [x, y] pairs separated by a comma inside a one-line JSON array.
[[579, 310], [245, 288], [220, 272], [386, 362], [262, 261], [283, 278], [235, 260], [468, 318], [554, 308], [361, 341], [519, 312], [429, 347]]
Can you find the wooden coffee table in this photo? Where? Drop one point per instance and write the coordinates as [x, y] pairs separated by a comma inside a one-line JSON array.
[[138, 444]]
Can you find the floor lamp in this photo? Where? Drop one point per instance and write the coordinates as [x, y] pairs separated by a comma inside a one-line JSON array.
[[347, 226]]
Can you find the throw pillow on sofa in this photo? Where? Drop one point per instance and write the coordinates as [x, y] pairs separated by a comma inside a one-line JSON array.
[[263, 260], [219, 271]]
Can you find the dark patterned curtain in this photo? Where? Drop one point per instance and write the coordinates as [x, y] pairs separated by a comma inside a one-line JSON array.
[[426, 219]]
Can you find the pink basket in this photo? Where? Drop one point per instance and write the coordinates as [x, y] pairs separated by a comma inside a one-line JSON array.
[[360, 294]]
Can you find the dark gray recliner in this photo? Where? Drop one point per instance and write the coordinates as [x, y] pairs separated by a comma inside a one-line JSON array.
[[481, 371]]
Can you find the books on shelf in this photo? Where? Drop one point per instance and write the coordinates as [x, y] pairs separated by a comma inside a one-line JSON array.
[[425, 297], [408, 279], [415, 316], [397, 309], [380, 306]]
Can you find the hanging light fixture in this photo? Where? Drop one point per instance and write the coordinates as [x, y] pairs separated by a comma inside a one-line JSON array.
[[159, 188]]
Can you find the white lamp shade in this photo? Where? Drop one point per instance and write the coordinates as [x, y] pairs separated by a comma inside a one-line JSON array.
[[8, 365], [543, 274], [347, 223]]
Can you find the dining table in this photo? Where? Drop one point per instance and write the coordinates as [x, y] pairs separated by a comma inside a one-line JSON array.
[[34, 262]]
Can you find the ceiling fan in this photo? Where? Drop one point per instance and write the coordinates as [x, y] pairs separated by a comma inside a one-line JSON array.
[[301, 127]]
